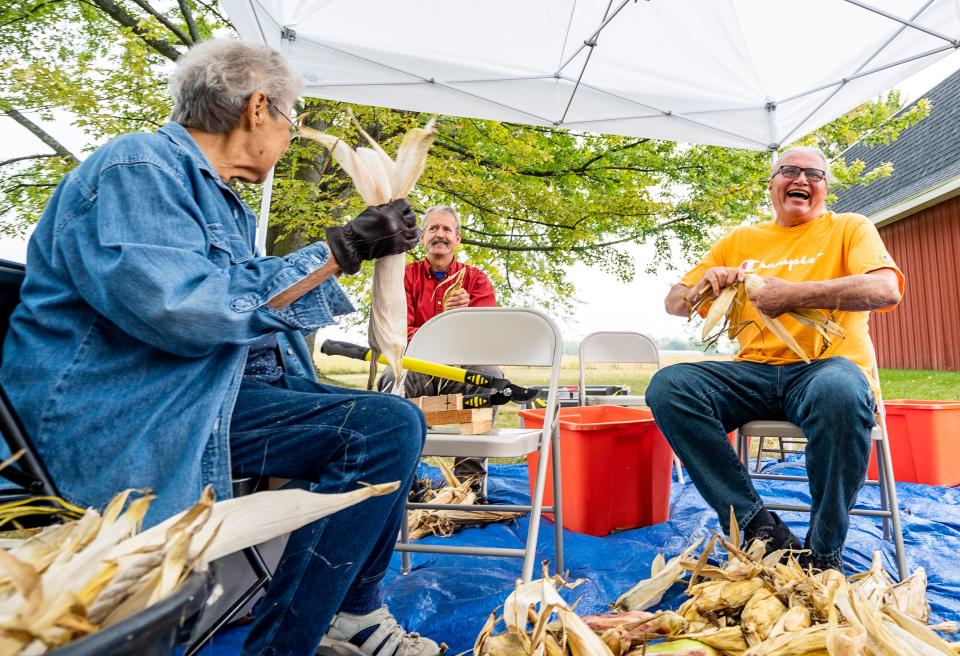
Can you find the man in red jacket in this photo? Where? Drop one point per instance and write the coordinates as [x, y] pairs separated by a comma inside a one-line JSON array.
[[427, 281]]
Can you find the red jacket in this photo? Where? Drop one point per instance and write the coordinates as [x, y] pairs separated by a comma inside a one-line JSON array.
[[425, 292]]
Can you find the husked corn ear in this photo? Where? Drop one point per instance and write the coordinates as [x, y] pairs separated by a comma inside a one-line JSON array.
[[685, 647], [812, 640], [759, 615], [728, 639], [715, 596]]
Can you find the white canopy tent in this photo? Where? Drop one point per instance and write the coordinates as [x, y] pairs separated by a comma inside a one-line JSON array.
[[752, 74]]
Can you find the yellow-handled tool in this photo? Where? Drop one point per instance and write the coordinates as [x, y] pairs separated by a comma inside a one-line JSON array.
[[507, 390]]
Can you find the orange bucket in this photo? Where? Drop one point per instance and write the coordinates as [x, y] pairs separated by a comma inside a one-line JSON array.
[[616, 468]]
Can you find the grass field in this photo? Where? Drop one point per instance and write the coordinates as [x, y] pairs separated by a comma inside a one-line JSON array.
[[895, 383]]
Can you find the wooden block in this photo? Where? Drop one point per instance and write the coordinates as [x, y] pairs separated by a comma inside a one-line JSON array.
[[476, 420], [444, 402], [477, 427]]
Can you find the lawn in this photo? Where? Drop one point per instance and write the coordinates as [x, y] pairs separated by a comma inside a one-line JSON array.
[[895, 383]]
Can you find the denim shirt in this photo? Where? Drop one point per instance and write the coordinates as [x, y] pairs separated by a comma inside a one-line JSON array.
[[141, 297]]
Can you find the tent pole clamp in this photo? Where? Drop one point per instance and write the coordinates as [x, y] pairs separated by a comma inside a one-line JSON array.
[[288, 34]]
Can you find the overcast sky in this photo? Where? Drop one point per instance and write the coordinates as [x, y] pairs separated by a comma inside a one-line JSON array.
[[602, 302]]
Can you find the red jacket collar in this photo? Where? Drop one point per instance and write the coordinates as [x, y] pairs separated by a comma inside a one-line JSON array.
[[427, 272]]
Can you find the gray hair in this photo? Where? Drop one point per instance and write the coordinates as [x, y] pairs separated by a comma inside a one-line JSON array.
[[810, 150], [214, 80], [442, 209]]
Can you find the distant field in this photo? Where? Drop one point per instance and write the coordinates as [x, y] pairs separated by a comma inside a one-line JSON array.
[[895, 383]]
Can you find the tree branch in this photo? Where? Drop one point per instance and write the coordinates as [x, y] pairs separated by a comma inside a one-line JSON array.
[[166, 22], [549, 249], [188, 19], [41, 134], [126, 20], [488, 210], [26, 157], [29, 11], [220, 17], [583, 168]]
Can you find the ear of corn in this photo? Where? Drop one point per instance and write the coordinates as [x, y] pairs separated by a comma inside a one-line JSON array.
[[725, 316], [649, 592], [379, 179]]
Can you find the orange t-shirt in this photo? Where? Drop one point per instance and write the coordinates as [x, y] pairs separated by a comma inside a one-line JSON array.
[[828, 247]]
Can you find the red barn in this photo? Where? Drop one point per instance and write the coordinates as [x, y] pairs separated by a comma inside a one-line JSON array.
[[917, 210]]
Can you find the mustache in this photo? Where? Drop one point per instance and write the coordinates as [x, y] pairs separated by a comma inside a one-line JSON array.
[[439, 240]]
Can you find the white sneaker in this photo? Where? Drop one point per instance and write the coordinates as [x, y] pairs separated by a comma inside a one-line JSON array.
[[351, 635]]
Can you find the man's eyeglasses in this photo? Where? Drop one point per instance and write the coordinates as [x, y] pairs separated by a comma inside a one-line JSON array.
[[791, 172], [294, 130]]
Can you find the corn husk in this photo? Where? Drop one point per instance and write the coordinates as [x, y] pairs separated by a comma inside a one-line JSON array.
[[74, 579], [725, 312], [379, 179], [650, 591], [423, 522]]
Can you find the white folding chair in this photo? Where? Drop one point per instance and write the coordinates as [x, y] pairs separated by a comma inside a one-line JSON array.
[[889, 507], [496, 336], [618, 347]]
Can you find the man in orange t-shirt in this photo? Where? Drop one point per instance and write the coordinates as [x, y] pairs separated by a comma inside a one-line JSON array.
[[809, 258]]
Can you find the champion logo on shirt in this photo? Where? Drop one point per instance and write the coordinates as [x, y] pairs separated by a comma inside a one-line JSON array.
[[750, 266]]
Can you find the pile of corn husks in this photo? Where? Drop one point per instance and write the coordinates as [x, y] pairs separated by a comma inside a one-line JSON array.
[[423, 522], [76, 578], [751, 605]]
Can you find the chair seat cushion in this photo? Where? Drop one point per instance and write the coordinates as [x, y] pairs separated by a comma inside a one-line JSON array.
[[770, 428]]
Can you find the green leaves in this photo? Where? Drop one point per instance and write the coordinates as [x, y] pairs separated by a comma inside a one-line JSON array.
[[533, 200]]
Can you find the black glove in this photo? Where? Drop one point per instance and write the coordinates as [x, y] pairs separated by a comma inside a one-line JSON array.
[[380, 230]]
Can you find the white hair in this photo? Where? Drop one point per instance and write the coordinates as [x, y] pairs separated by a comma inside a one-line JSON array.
[[214, 80], [442, 209], [809, 150]]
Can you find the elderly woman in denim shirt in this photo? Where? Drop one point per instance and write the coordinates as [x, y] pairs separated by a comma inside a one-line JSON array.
[[155, 348]]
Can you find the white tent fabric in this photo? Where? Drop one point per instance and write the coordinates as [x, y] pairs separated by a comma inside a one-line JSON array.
[[753, 74]]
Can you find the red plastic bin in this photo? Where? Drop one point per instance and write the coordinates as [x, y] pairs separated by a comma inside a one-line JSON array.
[[616, 468], [924, 441]]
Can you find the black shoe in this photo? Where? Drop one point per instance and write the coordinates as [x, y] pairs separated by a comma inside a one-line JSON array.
[[809, 560], [774, 532]]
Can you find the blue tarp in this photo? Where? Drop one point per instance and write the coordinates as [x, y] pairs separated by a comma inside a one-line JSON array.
[[449, 597]]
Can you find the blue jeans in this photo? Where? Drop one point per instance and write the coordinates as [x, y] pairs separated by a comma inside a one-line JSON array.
[[697, 404], [334, 439]]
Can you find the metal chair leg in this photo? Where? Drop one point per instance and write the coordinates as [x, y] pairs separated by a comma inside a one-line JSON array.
[[557, 500], [882, 480], [405, 539], [885, 460]]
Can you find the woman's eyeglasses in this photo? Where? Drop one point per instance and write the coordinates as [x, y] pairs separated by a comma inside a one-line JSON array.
[[294, 130], [791, 172]]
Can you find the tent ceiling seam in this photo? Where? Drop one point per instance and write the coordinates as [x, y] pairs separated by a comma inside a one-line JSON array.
[[863, 64], [566, 34], [909, 23], [871, 71], [668, 113], [590, 42], [256, 16]]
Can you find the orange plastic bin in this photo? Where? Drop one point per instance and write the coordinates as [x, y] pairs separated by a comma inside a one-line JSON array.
[[616, 468], [924, 442]]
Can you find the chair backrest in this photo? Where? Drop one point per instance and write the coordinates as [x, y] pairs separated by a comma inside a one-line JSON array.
[[611, 346], [494, 336], [489, 336], [29, 472]]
